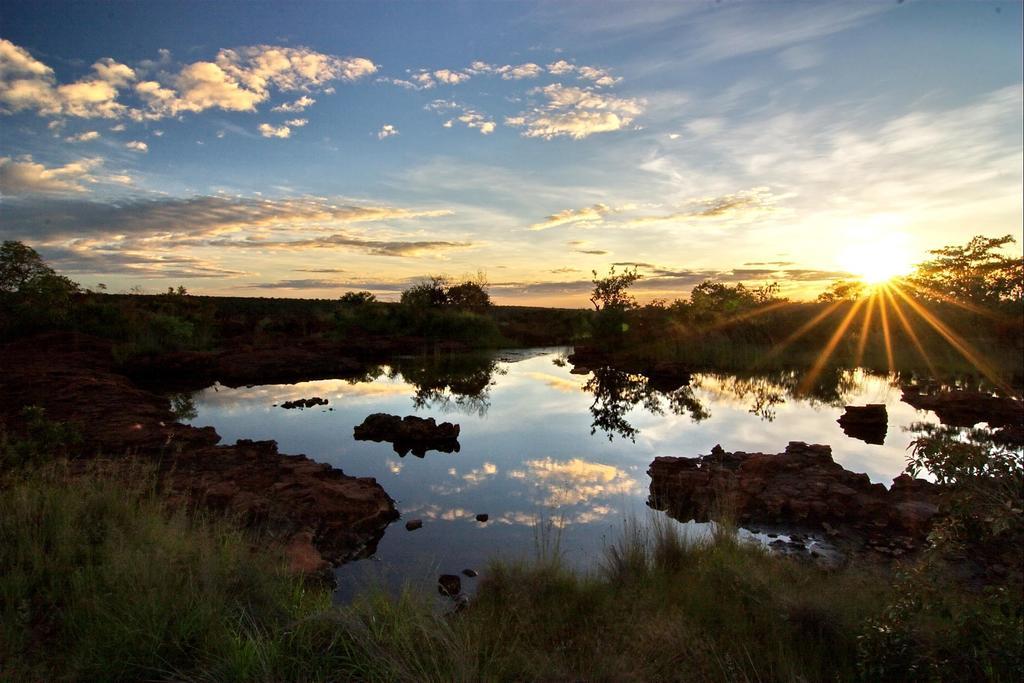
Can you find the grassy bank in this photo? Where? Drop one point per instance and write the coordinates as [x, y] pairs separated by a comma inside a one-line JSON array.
[[102, 581]]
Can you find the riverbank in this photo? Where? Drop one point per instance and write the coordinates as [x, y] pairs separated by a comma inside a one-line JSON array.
[[159, 594]]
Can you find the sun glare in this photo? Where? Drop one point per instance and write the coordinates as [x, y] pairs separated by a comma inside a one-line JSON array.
[[877, 262]]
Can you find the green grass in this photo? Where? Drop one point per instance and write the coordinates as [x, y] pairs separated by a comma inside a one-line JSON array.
[[103, 581]]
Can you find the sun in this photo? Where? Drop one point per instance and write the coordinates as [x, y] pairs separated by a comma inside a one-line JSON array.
[[876, 262]]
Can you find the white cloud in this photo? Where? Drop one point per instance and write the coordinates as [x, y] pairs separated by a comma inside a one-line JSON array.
[[296, 106], [137, 146], [470, 117], [386, 131], [519, 72], [235, 80], [297, 123], [561, 67], [269, 131], [83, 137], [586, 214], [25, 176], [576, 113]]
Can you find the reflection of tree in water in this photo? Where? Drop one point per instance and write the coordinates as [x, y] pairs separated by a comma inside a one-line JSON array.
[[616, 392], [451, 383], [183, 406]]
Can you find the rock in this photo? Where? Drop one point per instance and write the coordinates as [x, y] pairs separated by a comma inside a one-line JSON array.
[[449, 585], [802, 487], [471, 573], [306, 507], [965, 408], [868, 423], [413, 524], [482, 517], [410, 433], [304, 403]]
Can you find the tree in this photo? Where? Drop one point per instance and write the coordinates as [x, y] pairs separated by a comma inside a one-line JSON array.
[[357, 298], [974, 273], [21, 268], [612, 292], [843, 290], [431, 293]]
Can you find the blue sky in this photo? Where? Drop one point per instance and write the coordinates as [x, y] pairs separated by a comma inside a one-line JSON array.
[[303, 149]]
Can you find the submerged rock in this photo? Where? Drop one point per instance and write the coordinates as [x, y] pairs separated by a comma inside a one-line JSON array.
[[449, 585], [802, 487], [410, 433], [868, 423], [471, 573]]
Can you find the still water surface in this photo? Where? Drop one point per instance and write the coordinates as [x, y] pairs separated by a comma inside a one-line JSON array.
[[539, 442]]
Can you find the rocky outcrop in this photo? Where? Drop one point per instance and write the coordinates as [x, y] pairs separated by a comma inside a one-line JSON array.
[[411, 433], [240, 366], [802, 487], [318, 514], [965, 408], [868, 423]]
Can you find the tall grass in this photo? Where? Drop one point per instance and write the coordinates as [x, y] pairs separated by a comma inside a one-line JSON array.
[[102, 581]]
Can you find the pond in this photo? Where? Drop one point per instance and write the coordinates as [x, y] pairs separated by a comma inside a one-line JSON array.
[[543, 451]]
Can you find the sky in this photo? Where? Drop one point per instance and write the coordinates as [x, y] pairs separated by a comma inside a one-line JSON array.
[[308, 149]]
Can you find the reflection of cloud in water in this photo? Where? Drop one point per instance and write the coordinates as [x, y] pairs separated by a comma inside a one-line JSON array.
[[576, 481], [223, 397], [570, 385], [472, 478]]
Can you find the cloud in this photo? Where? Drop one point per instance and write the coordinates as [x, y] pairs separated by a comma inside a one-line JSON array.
[[561, 67], [737, 205], [137, 146], [576, 112], [341, 239], [594, 252], [296, 123], [26, 83], [519, 72], [25, 176], [236, 79], [386, 131], [139, 264], [83, 137], [296, 106], [311, 283], [269, 131], [469, 117], [586, 214], [194, 217]]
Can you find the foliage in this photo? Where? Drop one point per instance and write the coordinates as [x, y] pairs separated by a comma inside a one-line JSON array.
[[32, 295], [357, 298], [974, 273], [612, 291], [718, 298], [40, 441], [936, 625], [843, 290]]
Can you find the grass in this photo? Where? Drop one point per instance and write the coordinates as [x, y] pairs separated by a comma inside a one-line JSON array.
[[103, 581]]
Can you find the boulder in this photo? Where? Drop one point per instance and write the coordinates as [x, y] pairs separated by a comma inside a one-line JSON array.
[[410, 433], [966, 408], [482, 517], [414, 524]]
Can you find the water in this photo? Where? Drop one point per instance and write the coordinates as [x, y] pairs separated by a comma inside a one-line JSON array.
[[541, 444]]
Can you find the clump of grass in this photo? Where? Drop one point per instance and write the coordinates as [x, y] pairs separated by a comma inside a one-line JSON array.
[[102, 581]]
